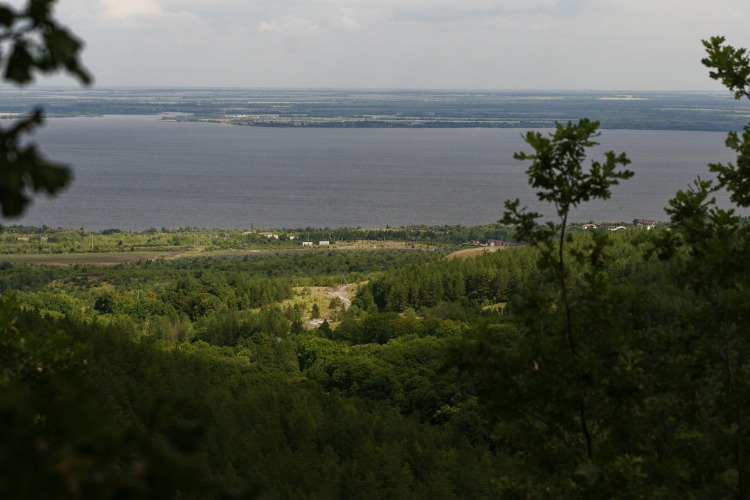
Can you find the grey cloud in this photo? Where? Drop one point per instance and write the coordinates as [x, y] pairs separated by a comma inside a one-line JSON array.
[[468, 12], [405, 43]]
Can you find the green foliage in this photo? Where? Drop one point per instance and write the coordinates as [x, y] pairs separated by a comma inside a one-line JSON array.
[[255, 427], [57, 442], [557, 168], [493, 277], [729, 65], [36, 43], [707, 247], [614, 381], [29, 356], [22, 167], [567, 389], [557, 171]]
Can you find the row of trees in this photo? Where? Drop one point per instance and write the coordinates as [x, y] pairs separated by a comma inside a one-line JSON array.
[[495, 278]]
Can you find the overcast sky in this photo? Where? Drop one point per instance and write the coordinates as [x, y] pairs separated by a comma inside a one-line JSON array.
[[479, 44]]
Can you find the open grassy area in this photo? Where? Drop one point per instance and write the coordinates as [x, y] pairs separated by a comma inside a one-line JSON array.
[[325, 297], [470, 253], [118, 257], [96, 258], [70, 247]]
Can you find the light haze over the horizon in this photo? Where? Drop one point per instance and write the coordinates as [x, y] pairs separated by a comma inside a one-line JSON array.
[[470, 44]]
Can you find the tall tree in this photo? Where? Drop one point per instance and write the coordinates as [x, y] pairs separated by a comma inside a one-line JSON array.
[[709, 246], [565, 374], [590, 396]]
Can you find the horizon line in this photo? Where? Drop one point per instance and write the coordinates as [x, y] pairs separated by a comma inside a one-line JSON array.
[[37, 87]]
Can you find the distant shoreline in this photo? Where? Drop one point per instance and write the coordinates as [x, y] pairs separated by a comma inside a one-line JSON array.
[[326, 108]]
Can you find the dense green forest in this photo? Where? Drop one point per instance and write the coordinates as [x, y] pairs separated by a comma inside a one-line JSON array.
[[579, 364], [203, 373], [202, 376]]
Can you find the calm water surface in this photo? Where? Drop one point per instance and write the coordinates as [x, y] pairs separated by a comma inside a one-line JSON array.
[[136, 172]]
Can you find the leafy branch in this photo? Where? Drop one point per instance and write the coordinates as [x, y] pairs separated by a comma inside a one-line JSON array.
[[32, 42]]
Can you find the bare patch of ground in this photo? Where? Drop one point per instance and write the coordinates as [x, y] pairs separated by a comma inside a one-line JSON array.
[[341, 292], [470, 253], [322, 297]]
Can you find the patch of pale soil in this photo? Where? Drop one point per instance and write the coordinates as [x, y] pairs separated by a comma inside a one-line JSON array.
[[471, 252], [342, 293], [314, 323]]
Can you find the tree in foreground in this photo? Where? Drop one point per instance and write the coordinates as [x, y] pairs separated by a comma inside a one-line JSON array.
[[590, 397], [570, 391], [55, 442], [709, 247], [33, 43]]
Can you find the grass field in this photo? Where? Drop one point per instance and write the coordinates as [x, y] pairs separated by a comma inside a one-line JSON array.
[[122, 257], [69, 259], [470, 253], [322, 296]]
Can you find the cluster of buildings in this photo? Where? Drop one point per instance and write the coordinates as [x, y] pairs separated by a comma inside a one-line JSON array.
[[493, 243], [620, 225], [608, 226]]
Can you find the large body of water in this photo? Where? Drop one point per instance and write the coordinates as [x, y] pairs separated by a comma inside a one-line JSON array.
[[136, 172]]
